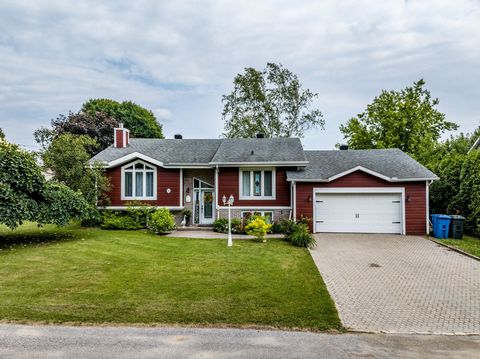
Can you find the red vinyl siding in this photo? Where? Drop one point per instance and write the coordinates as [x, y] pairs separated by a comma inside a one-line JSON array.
[[166, 178], [415, 209], [228, 183]]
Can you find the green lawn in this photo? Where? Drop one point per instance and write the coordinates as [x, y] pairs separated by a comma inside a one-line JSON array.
[[78, 275], [467, 244]]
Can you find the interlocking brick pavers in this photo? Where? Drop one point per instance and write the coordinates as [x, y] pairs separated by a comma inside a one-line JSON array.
[[399, 284]]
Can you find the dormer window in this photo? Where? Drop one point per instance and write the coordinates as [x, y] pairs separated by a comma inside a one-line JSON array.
[[139, 181], [257, 183]]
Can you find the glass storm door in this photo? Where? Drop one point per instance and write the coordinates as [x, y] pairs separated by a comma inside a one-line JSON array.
[[206, 207]]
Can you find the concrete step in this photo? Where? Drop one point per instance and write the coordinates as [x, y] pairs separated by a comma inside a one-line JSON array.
[[195, 228]]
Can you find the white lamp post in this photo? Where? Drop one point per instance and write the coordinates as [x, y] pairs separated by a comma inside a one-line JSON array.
[[230, 203]]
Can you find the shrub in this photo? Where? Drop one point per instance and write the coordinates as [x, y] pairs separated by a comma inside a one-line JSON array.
[[93, 220], [220, 225], [115, 220], [301, 236], [258, 228], [286, 226], [139, 212], [161, 221]]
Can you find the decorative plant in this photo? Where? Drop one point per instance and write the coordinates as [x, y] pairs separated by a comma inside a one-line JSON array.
[[187, 214], [220, 225], [115, 220], [300, 236], [161, 221], [258, 228], [139, 212]]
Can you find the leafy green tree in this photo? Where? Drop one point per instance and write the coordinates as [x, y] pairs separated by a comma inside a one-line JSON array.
[[26, 196], [97, 119], [98, 126], [68, 157], [140, 121], [457, 191], [405, 119], [2, 134], [272, 102]]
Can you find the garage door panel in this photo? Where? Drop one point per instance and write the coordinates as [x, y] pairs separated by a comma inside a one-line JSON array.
[[358, 213]]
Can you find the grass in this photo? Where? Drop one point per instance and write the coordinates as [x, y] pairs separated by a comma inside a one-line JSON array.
[[468, 244], [85, 275]]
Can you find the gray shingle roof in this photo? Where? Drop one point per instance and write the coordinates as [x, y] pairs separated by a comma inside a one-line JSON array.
[[392, 163], [235, 150], [168, 151], [196, 151]]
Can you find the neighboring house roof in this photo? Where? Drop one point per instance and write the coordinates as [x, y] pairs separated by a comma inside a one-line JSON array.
[[184, 152], [259, 150], [475, 146], [389, 164]]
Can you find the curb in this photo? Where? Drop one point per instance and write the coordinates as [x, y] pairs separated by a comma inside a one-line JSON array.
[[455, 249]]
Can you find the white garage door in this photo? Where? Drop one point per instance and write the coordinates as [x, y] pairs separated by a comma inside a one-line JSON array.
[[358, 212]]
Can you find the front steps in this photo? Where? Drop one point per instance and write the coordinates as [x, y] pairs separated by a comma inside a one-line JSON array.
[[196, 228]]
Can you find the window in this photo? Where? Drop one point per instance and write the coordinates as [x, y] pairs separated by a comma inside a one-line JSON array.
[[257, 184], [268, 215], [139, 181]]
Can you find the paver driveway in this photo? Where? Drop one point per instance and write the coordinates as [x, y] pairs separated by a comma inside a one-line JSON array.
[[399, 284]]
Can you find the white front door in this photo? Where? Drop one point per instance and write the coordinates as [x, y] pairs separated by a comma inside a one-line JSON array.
[[206, 206], [359, 212]]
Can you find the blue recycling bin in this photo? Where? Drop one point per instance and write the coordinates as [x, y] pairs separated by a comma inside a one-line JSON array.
[[441, 224]]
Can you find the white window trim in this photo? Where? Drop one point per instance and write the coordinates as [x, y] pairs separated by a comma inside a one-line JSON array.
[[262, 213], [252, 197], [133, 197]]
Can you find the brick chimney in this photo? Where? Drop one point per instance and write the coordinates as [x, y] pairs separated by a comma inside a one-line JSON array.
[[121, 136]]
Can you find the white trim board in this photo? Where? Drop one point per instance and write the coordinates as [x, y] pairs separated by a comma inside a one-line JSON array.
[[173, 208], [400, 190], [366, 170], [254, 208]]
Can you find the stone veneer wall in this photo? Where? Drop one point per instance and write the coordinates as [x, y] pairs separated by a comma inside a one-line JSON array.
[[278, 214]]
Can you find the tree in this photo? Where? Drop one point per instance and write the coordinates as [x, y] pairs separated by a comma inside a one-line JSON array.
[[68, 157], [140, 121], [2, 135], [405, 119], [458, 189], [271, 102], [26, 196], [97, 119]]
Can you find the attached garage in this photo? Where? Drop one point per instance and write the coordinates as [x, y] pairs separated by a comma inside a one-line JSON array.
[[362, 191], [359, 210]]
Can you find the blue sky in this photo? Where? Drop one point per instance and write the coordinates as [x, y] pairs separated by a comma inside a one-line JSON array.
[[178, 58]]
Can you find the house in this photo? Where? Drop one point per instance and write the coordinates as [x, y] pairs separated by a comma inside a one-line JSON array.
[[366, 191]]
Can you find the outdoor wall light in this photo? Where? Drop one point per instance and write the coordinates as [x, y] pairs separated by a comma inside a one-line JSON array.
[[187, 191], [169, 190], [309, 198], [409, 198]]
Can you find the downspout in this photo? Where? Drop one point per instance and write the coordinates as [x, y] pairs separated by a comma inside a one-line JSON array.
[[217, 207], [181, 187], [294, 205], [427, 201]]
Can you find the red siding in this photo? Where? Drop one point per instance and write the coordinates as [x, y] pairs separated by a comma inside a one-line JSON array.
[[415, 210], [166, 178], [228, 183]]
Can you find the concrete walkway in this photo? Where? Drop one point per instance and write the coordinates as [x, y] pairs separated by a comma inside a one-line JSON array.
[[31, 342], [400, 284], [212, 234]]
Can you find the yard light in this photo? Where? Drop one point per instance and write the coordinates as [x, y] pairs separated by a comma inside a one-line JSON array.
[[230, 203]]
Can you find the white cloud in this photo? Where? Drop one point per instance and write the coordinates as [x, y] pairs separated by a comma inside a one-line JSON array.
[[178, 58]]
